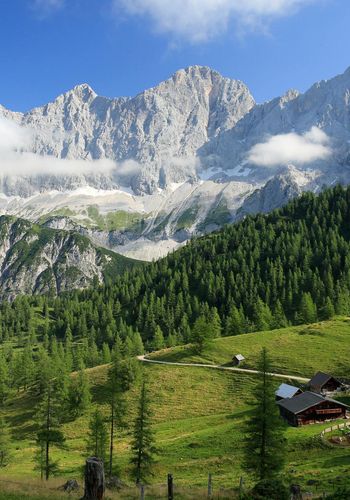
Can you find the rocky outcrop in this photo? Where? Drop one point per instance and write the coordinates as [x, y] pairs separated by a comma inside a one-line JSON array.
[[36, 260]]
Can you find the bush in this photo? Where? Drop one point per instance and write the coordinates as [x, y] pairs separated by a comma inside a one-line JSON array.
[[340, 494], [270, 489]]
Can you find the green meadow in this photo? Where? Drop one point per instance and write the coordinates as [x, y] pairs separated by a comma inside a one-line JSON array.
[[198, 419]]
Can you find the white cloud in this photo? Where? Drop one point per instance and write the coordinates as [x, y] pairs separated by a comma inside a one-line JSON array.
[[199, 20], [17, 160], [291, 148]]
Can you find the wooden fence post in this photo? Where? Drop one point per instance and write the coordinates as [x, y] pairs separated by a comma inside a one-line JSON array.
[[210, 486], [142, 492], [241, 486], [170, 487], [94, 479]]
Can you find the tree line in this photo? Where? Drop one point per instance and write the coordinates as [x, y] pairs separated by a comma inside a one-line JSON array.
[[268, 271]]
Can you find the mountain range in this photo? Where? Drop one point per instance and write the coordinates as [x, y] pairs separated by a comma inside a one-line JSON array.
[[142, 175]]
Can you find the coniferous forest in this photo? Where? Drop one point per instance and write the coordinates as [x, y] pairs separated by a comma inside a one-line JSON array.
[[268, 271]]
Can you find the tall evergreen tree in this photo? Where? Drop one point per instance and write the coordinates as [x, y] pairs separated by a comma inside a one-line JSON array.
[[97, 439], [79, 394], [5, 443], [143, 443], [49, 433], [119, 381], [264, 443], [201, 333], [308, 311]]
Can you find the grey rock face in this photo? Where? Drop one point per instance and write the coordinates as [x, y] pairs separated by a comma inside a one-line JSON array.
[[35, 259], [182, 157], [160, 129]]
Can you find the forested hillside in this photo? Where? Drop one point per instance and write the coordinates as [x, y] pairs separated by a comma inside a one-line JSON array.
[[289, 267]]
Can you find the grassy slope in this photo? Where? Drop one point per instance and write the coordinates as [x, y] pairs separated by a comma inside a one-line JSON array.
[[198, 415], [297, 350]]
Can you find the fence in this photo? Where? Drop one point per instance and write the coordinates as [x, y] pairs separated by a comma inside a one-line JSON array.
[[338, 427]]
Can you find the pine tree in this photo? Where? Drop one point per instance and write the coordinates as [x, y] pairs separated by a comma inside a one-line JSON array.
[[4, 379], [201, 333], [97, 439], [49, 433], [279, 318], [215, 323], [264, 443], [158, 339], [308, 311], [5, 442], [79, 394], [234, 323], [143, 448], [118, 384], [328, 310]]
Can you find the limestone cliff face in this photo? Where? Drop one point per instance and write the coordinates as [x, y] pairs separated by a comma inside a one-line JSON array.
[[161, 129], [36, 259]]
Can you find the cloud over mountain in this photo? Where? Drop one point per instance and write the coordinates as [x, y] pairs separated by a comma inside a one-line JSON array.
[[16, 159], [291, 148]]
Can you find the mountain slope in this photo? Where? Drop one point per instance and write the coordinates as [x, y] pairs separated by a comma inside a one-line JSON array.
[[288, 267], [178, 158], [35, 260]]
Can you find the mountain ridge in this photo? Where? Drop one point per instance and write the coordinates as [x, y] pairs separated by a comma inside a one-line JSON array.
[[179, 156]]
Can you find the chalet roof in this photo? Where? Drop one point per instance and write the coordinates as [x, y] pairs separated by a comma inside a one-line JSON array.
[[305, 401], [320, 379], [286, 391], [239, 357]]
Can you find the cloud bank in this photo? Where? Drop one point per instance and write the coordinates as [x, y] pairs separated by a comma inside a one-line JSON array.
[[17, 160], [200, 20], [291, 148]]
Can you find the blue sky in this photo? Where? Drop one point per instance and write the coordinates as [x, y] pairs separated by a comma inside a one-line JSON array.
[[121, 47]]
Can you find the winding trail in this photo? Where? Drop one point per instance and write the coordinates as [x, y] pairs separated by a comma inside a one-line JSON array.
[[144, 359]]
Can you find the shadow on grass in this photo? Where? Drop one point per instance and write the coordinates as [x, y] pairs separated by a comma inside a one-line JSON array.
[[239, 415], [343, 460], [179, 356]]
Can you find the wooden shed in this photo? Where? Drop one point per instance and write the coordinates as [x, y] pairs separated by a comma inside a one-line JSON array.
[[238, 359], [310, 408], [324, 383]]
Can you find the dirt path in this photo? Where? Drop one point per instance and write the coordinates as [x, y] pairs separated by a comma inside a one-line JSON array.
[[143, 359]]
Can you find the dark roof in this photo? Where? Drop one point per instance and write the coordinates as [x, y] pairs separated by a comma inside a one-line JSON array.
[[305, 401], [320, 379], [286, 391]]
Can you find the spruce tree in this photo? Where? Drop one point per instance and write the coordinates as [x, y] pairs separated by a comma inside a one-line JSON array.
[[79, 394], [49, 434], [234, 323], [4, 379], [118, 383], [264, 443], [158, 339], [201, 333], [308, 311], [143, 447], [97, 439], [5, 442]]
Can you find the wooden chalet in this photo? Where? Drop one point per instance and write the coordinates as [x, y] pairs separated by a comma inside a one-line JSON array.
[[310, 408], [287, 391], [324, 383]]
